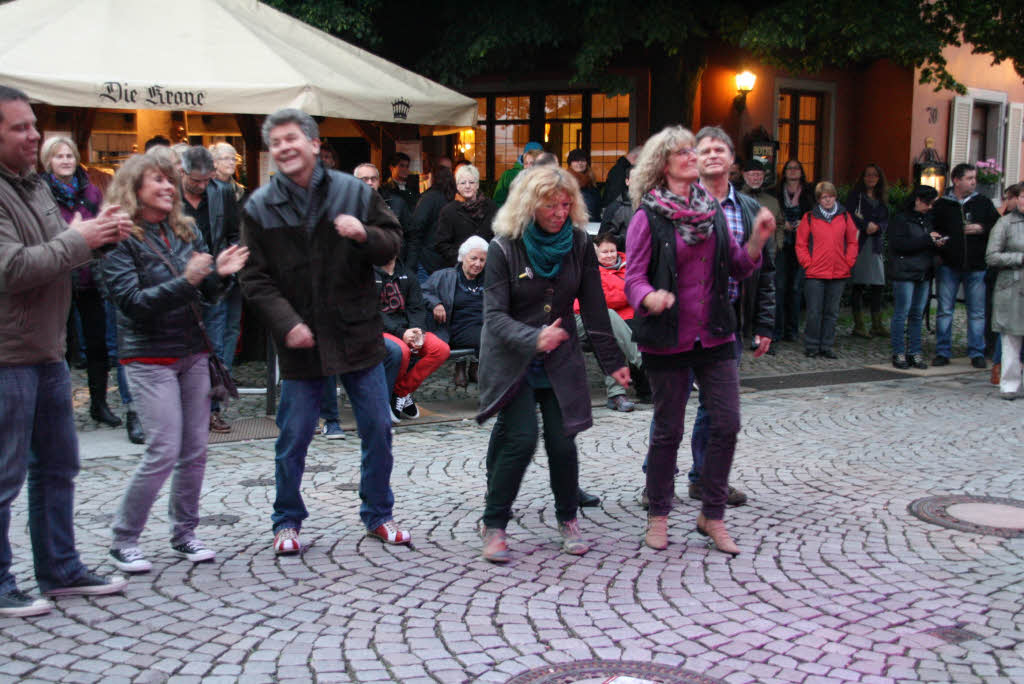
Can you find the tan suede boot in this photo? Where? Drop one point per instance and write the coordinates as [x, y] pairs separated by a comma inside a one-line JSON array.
[[657, 532], [719, 535]]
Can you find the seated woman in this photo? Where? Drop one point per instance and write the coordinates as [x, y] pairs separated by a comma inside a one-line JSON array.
[[404, 316], [455, 296], [612, 267]]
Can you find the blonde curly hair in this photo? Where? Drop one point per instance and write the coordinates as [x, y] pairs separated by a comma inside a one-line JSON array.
[[124, 189], [528, 191], [649, 171]]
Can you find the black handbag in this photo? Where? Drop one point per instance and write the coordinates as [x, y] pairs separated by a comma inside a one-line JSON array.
[[222, 386]]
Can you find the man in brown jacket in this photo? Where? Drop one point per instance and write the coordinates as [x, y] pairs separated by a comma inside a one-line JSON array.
[[37, 253], [314, 236]]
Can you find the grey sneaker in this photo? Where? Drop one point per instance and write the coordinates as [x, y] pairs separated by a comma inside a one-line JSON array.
[[90, 585], [130, 560], [19, 604], [572, 538], [194, 550], [495, 545]]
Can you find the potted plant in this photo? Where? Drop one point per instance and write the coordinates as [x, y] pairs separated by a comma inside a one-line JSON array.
[[990, 176]]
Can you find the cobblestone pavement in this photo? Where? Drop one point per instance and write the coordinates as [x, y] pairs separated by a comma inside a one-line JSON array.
[[836, 580]]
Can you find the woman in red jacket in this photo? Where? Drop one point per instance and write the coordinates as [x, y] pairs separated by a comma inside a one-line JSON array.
[[826, 247]]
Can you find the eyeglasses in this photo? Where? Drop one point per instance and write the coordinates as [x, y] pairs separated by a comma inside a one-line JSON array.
[[686, 152], [367, 178]]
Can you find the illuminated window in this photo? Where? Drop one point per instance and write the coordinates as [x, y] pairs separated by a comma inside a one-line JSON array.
[[562, 122], [609, 132], [800, 130]]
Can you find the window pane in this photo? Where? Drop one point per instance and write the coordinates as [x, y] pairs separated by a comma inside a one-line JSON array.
[[784, 104], [563, 106], [472, 146], [808, 108], [509, 141], [604, 107], [481, 108], [608, 142], [516, 107]]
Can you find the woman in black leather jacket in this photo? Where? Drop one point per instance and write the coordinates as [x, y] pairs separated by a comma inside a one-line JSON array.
[[158, 280], [912, 241]]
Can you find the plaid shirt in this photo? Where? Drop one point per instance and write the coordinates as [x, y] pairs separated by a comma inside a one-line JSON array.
[[734, 219]]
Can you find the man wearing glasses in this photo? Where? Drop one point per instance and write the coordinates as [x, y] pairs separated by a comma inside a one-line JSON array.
[[215, 211]]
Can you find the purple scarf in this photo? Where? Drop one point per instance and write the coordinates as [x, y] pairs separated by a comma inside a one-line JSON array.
[[693, 217]]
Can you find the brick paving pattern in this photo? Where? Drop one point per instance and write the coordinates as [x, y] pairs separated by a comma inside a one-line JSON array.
[[836, 582]]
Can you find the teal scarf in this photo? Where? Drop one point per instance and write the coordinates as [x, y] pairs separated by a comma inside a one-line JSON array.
[[546, 250]]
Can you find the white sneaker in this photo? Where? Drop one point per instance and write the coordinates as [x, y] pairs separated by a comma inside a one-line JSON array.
[[194, 550], [130, 559]]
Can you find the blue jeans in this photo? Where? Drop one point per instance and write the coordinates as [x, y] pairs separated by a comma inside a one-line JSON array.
[[949, 281], [909, 300], [392, 364], [296, 418], [38, 428], [702, 422], [122, 378]]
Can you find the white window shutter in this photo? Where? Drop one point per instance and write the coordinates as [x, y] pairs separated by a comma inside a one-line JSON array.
[[960, 129], [1011, 158]]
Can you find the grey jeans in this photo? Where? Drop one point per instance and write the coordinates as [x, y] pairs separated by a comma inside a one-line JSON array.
[[624, 338], [174, 405]]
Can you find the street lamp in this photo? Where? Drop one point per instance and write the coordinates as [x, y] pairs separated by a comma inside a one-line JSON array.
[[744, 84], [929, 169]]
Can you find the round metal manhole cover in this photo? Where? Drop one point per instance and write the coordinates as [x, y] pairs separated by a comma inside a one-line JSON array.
[[611, 671], [977, 514]]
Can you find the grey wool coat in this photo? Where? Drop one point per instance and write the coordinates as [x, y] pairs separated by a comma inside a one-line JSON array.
[[518, 303], [1005, 253]]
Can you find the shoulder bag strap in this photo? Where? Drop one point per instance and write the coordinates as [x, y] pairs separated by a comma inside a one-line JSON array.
[[176, 273]]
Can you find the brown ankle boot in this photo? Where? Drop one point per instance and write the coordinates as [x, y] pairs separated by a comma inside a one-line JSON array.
[[878, 328], [657, 532], [460, 374], [996, 376], [719, 535]]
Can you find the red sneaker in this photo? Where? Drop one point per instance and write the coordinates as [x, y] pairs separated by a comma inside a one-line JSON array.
[[286, 542], [390, 534]]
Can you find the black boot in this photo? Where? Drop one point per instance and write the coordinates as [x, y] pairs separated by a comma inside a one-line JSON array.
[[98, 409], [135, 433], [100, 412], [587, 500], [471, 374]]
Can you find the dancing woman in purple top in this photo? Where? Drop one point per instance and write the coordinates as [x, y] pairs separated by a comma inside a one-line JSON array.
[[679, 257]]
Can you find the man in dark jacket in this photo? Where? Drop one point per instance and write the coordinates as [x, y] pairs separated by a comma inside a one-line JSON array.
[[965, 218], [215, 211], [402, 183], [615, 184], [314, 236], [753, 298], [37, 254], [369, 174], [617, 215]]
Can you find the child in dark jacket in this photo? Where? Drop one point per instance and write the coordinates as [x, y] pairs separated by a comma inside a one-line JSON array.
[[405, 317]]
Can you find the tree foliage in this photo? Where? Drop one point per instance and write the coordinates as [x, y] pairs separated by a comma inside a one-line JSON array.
[[457, 40]]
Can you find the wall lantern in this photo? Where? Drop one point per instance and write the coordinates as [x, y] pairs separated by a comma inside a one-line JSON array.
[[929, 169], [744, 84]]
